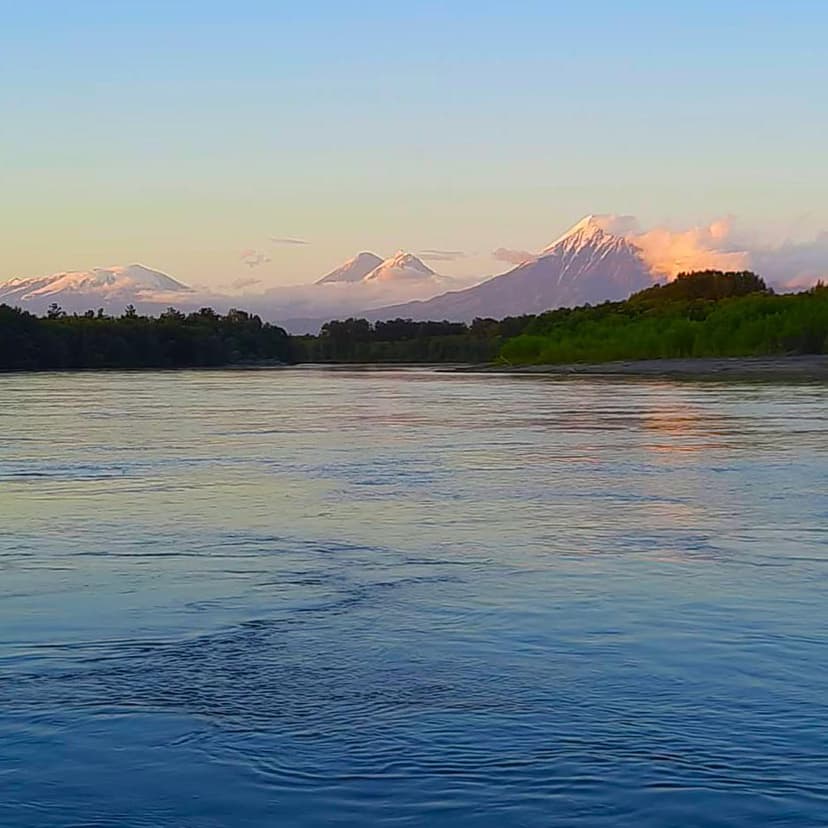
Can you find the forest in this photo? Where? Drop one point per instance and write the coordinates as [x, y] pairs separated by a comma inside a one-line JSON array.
[[704, 314], [402, 340], [203, 338]]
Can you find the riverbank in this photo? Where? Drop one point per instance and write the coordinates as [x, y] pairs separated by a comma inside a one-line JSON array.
[[807, 367]]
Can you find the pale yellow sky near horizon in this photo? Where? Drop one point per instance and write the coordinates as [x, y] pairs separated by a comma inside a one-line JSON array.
[[199, 240], [178, 135]]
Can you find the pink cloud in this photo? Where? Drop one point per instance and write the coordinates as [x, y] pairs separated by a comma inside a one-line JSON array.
[[510, 256], [670, 252]]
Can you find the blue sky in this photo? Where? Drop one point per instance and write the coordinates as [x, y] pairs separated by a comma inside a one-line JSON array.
[[181, 133]]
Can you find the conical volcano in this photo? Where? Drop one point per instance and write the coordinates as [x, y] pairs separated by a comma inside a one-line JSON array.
[[586, 264]]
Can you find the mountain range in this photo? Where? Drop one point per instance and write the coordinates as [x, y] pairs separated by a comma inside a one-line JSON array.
[[108, 287], [587, 264], [402, 267], [354, 270]]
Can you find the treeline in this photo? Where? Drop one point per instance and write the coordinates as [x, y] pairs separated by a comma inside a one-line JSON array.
[[402, 340], [703, 314], [173, 340], [707, 314]]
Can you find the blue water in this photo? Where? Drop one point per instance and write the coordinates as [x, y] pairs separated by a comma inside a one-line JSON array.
[[320, 598]]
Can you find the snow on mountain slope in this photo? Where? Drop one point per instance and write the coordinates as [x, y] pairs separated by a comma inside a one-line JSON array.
[[400, 266], [586, 264], [354, 270], [105, 280], [101, 286], [589, 263]]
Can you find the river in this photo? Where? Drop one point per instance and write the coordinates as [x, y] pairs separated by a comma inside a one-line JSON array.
[[319, 598]]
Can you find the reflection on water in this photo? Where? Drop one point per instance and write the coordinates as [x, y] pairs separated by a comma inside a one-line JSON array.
[[319, 598]]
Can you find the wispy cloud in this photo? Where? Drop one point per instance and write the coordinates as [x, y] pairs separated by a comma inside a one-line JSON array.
[[288, 241], [618, 225], [431, 255], [254, 258], [240, 284], [511, 256]]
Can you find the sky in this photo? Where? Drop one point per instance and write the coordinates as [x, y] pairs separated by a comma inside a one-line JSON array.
[[206, 139]]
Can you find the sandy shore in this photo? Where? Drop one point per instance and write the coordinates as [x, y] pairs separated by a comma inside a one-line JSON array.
[[811, 367]]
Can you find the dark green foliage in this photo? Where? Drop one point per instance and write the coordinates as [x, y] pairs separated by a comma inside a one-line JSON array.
[[709, 314], [698, 315], [703, 284], [173, 340], [400, 341]]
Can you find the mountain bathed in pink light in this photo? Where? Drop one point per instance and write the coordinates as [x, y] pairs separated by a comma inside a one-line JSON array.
[[600, 258]]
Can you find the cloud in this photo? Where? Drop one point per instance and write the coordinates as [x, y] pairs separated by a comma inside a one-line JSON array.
[[254, 258], [717, 245], [515, 257], [794, 265], [798, 283], [239, 284], [791, 265], [711, 247], [430, 255], [617, 225], [288, 241]]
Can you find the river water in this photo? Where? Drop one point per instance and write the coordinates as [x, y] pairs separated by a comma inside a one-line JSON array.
[[317, 598]]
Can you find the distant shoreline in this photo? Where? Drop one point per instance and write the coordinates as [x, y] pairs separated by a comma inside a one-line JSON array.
[[802, 367], [808, 368]]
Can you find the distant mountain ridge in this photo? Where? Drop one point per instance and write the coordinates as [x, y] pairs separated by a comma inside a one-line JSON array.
[[400, 266], [354, 270], [76, 289], [587, 264], [371, 269]]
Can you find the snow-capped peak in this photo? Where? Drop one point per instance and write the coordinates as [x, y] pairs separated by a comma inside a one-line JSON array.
[[592, 262], [590, 229], [401, 265], [134, 277], [354, 270], [363, 257], [105, 281]]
